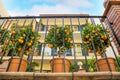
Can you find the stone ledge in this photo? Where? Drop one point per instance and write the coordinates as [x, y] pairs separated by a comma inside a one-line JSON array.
[[16, 75], [60, 76]]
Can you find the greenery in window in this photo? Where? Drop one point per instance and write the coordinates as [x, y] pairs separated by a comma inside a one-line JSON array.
[[59, 38], [96, 34]]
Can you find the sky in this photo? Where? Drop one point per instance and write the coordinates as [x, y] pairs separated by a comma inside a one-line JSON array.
[[37, 7]]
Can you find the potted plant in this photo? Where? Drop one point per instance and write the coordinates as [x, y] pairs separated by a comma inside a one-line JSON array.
[[18, 41], [97, 35], [90, 66], [32, 68], [74, 67], [37, 49], [118, 67], [59, 38], [4, 35]]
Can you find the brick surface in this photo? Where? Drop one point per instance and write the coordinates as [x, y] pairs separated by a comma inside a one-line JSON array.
[[16, 76], [113, 13], [59, 76], [53, 76]]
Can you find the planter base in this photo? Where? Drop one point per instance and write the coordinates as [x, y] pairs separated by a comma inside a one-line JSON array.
[[59, 65], [15, 63], [104, 66], [81, 70]]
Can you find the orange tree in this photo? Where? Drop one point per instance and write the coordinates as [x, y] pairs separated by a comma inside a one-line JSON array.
[[4, 35], [19, 37], [96, 34], [59, 38]]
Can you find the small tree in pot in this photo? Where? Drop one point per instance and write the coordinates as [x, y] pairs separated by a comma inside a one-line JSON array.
[[59, 38], [99, 37], [17, 43]]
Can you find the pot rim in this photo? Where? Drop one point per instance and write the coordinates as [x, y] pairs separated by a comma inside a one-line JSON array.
[[60, 59], [16, 57], [104, 58]]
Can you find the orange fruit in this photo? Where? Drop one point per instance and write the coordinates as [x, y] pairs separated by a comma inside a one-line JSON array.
[[102, 36], [19, 49], [13, 32], [67, 33], [86, 36], [5, 42], [29, 44], [30, 49], [96, 34], [50, 45], [23, 28], [89, 39], [33, 30], [105, 37], [71, 46], [108, 44], [65, 30], [102, 41], [20, 41], [31, 41], [91, 70], [69, 39], [24, 35]]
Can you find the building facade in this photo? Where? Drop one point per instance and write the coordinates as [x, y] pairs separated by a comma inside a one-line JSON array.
[[3, 11], [70, 20], [112, 11]]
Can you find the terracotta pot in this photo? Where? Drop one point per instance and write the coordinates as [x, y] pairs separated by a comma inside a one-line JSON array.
[[59, 65], [0, 53], [15, 63], [104, 66], [3, 66]]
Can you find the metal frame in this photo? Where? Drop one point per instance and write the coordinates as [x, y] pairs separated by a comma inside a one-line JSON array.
[[37, 28]]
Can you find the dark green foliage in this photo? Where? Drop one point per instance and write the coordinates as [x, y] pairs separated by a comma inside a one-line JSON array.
[[33, 65], [118, 67], [90, 64], [74, 67]]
